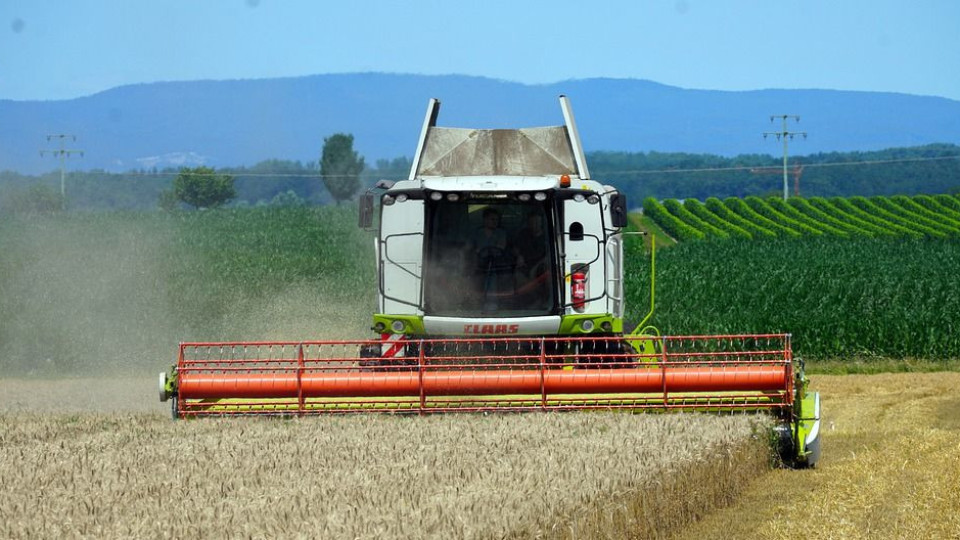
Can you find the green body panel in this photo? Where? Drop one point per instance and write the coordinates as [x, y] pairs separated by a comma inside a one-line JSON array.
[[412, 324], [571, 325], [170, 385], [647, 346], [805, 425], [807, 428]]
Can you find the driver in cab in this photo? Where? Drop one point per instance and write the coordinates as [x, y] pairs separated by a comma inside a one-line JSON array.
[[488, 247]]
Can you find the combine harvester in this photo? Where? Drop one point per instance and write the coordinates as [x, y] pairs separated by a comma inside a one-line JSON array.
[[500, 287]]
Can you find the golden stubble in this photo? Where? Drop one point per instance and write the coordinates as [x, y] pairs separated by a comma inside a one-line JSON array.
[[890, 467]]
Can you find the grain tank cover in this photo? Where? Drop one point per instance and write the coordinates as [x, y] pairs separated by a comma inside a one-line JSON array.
[[497, 152], [536, 151]]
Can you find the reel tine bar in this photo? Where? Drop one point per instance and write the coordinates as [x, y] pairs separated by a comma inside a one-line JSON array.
[[712, 373]]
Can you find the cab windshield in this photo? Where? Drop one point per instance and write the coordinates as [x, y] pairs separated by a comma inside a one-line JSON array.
[[489, 257]]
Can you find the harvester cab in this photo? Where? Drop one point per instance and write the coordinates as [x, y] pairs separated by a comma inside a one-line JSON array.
[[499, 233], [500, 286]]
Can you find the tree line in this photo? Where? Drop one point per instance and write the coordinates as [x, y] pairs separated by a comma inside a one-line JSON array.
[[341, 173]]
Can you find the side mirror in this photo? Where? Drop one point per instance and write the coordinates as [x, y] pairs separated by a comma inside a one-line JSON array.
[[366, 210], [618, 210]]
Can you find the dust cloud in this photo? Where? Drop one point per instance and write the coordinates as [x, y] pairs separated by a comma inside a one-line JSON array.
[[78, 298], [98, 302]]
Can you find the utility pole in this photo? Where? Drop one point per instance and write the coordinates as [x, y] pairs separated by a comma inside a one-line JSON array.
[[62, 153], [785, 135]]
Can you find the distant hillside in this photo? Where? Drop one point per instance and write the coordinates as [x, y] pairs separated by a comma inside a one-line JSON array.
[[242, 122]]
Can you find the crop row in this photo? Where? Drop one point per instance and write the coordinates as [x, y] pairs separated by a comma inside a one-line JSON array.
[[856, 298], [753, 218]]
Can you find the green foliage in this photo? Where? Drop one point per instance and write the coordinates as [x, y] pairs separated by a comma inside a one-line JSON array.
[[899, 216], [914, 206], [104, 292], [202, 187], [884, 212], [804, 207], [923, 169], [764, 208], [167, 200], [948, 201], [697, 208], [37, 199], [933, 204], [844, 209], [340, 167], [741, 208], [669, 223], [241, 254], [716, 206], [84, 292], [390, 169], [684, 215], [287, 198], [792, 213], [848, 299]]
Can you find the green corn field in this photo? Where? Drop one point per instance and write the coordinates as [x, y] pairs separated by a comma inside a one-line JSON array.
[[851, 298], [114, 292], [894, 217]]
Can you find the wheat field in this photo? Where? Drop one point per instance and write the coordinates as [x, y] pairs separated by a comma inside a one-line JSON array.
[[75, 465], [890, 468]]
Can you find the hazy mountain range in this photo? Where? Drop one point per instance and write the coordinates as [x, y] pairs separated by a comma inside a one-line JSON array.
[[242, 122]]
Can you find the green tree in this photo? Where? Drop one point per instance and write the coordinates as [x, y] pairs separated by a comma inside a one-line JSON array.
[[340, 166], [202, 187]]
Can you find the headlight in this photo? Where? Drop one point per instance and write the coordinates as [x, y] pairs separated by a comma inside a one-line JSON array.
[[397, 326], [587, 325], [453, 197], [540, 196], [579, 197], [593, 199], [436, 196], [387, 200], [524, 197], [402, 197]]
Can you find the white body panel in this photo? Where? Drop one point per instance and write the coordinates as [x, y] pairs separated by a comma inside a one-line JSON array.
[[490, 183], [401, 257], [586, 253]]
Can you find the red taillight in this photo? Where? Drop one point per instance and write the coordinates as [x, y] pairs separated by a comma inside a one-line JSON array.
[[578, 290]]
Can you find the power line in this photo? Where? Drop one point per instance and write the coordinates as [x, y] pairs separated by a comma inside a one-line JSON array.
[[786, 136], [604, 173], [806, 165], [62, 153]]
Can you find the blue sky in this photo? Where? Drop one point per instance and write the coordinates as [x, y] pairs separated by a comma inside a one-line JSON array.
[[58, 49]]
